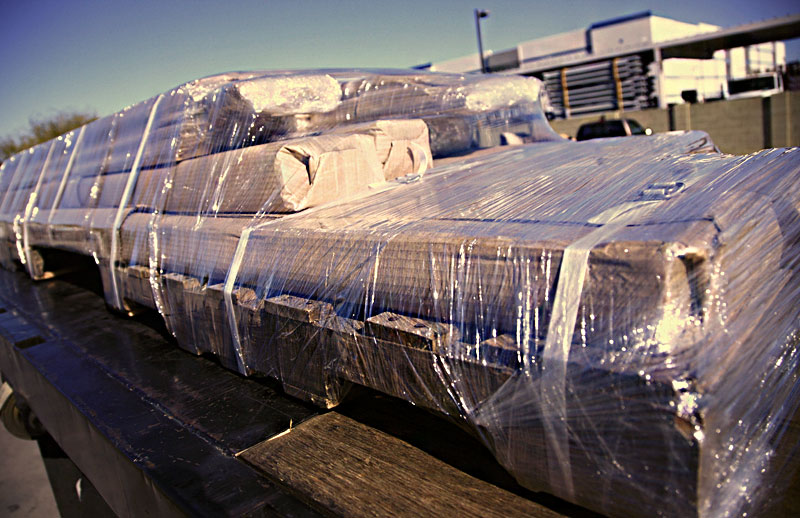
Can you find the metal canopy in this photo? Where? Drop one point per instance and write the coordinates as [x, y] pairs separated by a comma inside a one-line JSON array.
[[703, 46], [699, 46]]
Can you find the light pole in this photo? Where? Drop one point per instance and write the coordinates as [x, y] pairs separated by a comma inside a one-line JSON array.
[[480, 13]]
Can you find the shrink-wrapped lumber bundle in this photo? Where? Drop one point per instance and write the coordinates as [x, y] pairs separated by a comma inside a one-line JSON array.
[[582, 305], [209, 116], [617, 320]]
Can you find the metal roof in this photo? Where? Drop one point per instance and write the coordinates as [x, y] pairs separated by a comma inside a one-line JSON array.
[[703, 46], [700, 46]]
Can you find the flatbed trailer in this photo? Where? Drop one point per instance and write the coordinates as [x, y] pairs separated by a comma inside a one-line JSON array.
[[161, 432], [617, 321]]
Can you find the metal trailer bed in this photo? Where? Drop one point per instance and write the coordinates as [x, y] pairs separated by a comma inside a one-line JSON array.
[[159, 431]]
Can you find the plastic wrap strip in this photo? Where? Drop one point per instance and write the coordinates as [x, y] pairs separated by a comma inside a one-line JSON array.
[[22, 233], [133, 175], [572, 274], [555, 355], [423, 154], [63, 184], [230, 282], [25, 256]]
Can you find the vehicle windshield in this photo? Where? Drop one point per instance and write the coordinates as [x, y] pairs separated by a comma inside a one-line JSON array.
[[612, 128], [636, 128]]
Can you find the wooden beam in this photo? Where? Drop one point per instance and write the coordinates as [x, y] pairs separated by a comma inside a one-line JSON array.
[[351, 469]]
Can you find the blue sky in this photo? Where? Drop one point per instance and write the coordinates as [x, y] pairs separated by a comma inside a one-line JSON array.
[[100, 56]]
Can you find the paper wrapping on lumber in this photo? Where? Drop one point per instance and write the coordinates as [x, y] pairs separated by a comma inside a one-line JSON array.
[[291, 175]]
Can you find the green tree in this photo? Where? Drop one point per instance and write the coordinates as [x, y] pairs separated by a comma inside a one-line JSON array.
[[42, 130]]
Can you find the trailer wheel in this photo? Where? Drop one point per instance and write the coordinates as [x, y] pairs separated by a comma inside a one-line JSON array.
[[19, 419]]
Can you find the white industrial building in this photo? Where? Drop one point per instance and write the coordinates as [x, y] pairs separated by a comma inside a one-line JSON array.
[[642, 61]]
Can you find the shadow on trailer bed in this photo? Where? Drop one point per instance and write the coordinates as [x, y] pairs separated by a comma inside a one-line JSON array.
[[157, 429]]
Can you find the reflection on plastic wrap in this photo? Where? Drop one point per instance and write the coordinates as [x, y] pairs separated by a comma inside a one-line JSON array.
[[616, 319]]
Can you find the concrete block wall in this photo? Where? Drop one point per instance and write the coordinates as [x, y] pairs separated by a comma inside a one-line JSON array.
[[737, 126], [785, 119]]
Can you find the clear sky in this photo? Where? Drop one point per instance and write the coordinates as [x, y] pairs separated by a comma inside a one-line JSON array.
[[101, 55]]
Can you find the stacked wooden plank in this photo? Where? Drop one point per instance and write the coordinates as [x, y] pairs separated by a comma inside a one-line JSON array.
[[613, 84], [608, 316]]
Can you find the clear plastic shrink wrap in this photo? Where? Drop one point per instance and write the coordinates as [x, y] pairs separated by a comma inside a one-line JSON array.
[[616, 319]]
